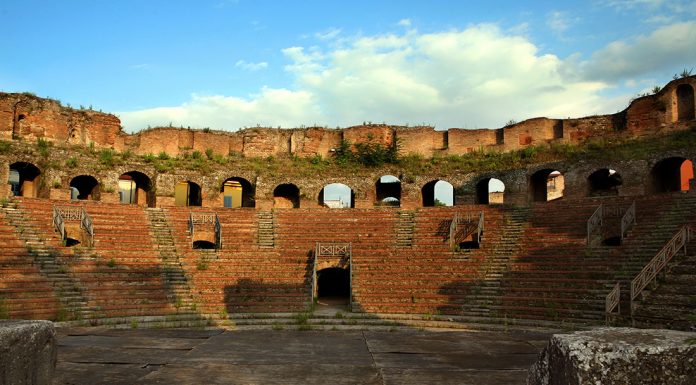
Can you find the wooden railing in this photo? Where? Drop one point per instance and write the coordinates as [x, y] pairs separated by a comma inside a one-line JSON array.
[[613, 301], [202, 219], [659, 261], [594, 224]]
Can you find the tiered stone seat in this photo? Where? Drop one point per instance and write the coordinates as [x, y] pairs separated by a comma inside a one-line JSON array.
[[24, 291]]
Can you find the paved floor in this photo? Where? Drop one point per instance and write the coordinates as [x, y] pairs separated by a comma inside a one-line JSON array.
[[180, 356]]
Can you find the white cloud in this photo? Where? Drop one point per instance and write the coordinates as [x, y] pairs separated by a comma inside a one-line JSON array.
[[247, 66], [480, 76], [665, 47], [329, 34], [404, 23], [559, 22]]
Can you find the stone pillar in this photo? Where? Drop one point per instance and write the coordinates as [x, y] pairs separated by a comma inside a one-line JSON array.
[[28, 352]]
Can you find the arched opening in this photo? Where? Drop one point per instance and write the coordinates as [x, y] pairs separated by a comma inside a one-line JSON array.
[[237, 192], [203, 245], [286, 196], [490, 191], [604, 182], [388, 191], [685, 102], [134, 187], [84, 187], [337, 196], [437, 193], [24, 179], [547, 185], [672, 174], [333, 285], [187, 194]]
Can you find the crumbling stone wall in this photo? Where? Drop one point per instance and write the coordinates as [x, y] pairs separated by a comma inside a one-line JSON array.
[[29, 117]]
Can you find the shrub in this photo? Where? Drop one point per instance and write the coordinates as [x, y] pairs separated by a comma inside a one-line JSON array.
[[209, 153], [71, 162], [106, 157], [163, 156], [196, 154]]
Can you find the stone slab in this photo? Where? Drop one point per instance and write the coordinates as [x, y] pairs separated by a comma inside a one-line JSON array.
[[610, 356], [28, 352]]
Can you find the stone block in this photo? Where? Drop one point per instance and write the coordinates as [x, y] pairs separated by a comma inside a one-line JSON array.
[[28, 352], [610, 356]]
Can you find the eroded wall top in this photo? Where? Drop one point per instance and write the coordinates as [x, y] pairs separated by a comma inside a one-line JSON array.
[[25, 116]]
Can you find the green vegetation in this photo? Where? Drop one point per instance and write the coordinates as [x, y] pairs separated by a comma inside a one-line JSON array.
[[106, 157], [111, 263], [5, 146], [71, 162], [43, 145]]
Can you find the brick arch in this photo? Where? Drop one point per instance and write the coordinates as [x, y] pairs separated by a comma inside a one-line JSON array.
[[671, 174], [546, 184], [87, 186], [484, 195], [248, 194], [25, 179], [603, 182], [388, 191], [322, 196], [188, 193], [286, 195], [428, 192], [140, 191], [685, 103]]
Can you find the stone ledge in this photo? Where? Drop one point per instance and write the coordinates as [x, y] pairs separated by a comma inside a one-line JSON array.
[[28, 352], [617, 356]]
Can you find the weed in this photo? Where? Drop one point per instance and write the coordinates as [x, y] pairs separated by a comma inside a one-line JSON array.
[[111, 263], [202, 264], [106, 157], [134, 324], [5, 147], [339, 315], [61, 315], [302, 318], [56, 184], [163, 156], [196, 155], [71, 162], [209, 153], [277, 326]]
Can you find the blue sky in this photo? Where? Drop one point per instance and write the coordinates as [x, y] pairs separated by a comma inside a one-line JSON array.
[[228, 64]]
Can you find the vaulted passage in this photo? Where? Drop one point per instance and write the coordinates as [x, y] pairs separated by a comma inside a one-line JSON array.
[[333, 283], [187, 194], [685, 102], [237, 192], [337, 196], [546, 185], [84, 187], [388, 191], [672, 174], [24, 179], [286, 196], [438, 193], [604, 182], [490, 191], [134, 187]]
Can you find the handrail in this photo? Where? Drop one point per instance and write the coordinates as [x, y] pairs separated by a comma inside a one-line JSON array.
[[613, 301], [628, 219], [468, 217], [649, 273], [88, 225], [58, 222], [479, 230], [453, 229], [218, 233], [594, 223]]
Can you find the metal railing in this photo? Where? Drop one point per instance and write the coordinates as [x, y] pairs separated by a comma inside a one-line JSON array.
[[659, 261], [58, 222], [87, 225], [628, 220], [455, 234], [613, 301], [202, 219], [594, 223]]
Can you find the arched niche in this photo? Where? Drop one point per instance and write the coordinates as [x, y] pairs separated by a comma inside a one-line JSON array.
[[672, 174], [84, 187], [134, 187], [604, 182], [685, 102], [187, 193], [286, 196], [437, 193], [237, 192], [490, 191], [547, 185], [388, 191], [24, 179], [337, 196]]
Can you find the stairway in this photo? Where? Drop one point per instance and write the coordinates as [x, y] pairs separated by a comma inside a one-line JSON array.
[[487, 292], [404, 229], [266, 229], [68, 289], [176, 282]]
